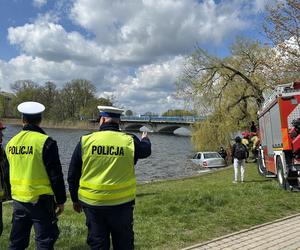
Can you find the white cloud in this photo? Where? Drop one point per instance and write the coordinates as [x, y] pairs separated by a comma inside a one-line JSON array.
[[145, 30], [39, 3], [40, 71], [261, 5], [133, 50], [152, 88], [135, 32], [51, 42]]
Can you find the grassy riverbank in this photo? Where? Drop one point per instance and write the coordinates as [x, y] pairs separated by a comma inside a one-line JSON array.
[[55, 124], [178, 213]]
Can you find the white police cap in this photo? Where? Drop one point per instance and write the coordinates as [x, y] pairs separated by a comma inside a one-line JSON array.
[[31, 108], [109, 111]]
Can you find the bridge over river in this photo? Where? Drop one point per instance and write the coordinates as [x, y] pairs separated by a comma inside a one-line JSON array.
[[160, 124]]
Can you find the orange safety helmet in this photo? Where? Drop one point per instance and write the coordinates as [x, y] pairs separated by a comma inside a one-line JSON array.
[[2, 126]]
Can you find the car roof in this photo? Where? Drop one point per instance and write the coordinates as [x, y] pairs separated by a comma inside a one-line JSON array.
[[204, 152]]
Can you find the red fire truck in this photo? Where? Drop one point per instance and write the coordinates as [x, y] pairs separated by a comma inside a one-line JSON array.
[[279, 132]]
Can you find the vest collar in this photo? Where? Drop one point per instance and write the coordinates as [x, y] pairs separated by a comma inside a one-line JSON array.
[[111, 126], [34, 128]]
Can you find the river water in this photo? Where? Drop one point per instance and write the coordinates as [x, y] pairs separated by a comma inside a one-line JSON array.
[[169, 159]]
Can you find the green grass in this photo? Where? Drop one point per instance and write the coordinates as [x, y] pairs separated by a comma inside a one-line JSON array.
[[178, 213]]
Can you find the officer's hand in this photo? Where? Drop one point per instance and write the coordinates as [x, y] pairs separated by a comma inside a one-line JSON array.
[[77, 207], [145, 134], [59, 209]]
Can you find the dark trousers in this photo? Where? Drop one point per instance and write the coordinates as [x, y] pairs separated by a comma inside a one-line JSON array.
[[42, 216], [1, 219], [116, 222]]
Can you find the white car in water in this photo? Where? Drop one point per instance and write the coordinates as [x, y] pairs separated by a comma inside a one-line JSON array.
[[209, 160]]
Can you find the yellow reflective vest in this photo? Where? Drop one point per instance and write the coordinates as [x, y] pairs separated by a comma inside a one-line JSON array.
[[245, 142], [27, 172], [108, 176]]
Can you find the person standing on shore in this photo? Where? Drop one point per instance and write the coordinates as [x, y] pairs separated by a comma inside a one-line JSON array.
[[102, 181], [222, 152], [37, 184], [239, 154], [4, 182], [253, 127]]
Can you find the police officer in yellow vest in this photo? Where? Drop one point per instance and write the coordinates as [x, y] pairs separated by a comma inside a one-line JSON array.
[[102, 181], [37, 184], [4, 181]]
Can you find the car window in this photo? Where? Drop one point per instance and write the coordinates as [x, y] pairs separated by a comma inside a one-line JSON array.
[[211, 155]]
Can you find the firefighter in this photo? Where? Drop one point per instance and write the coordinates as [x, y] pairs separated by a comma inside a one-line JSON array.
[[37, 184], [253, 128], [245, 139], [295, 131], [255, 144], [102, 181]]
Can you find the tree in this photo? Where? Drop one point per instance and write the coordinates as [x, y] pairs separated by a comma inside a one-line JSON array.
[[231, 88], [6, 109], [91, 111], [79, 101], [128, 112], [76, 95], [49, 97], [24, 90], [22, 85], [179, 112], [148, 113], [76, 100], [212, 132], [106, 101], [282, 26]]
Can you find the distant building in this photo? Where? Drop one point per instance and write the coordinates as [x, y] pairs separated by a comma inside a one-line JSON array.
[[6, 109]]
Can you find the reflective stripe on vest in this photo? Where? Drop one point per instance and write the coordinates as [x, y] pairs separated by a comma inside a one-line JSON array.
[[108, 176], [27, 172]]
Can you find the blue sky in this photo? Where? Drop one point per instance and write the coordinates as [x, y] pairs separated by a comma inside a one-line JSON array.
[[133, 50]]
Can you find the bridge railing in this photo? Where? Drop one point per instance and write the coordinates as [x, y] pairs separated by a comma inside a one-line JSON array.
[[163, 118]]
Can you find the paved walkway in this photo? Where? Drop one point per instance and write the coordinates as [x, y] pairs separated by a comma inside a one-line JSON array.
[[280, 234]]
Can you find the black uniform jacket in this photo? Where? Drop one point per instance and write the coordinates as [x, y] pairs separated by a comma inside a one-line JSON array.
[[4, 175], [142, 150], [52, 164]]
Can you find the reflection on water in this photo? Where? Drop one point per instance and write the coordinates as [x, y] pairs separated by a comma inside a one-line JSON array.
[[169, 159]]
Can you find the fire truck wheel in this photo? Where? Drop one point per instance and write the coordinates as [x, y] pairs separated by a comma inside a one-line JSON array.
[[280, 175], [260, 166]]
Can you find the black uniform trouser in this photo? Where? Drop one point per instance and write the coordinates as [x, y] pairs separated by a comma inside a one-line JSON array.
[[1, 219], [42, 216], [116, 222]]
